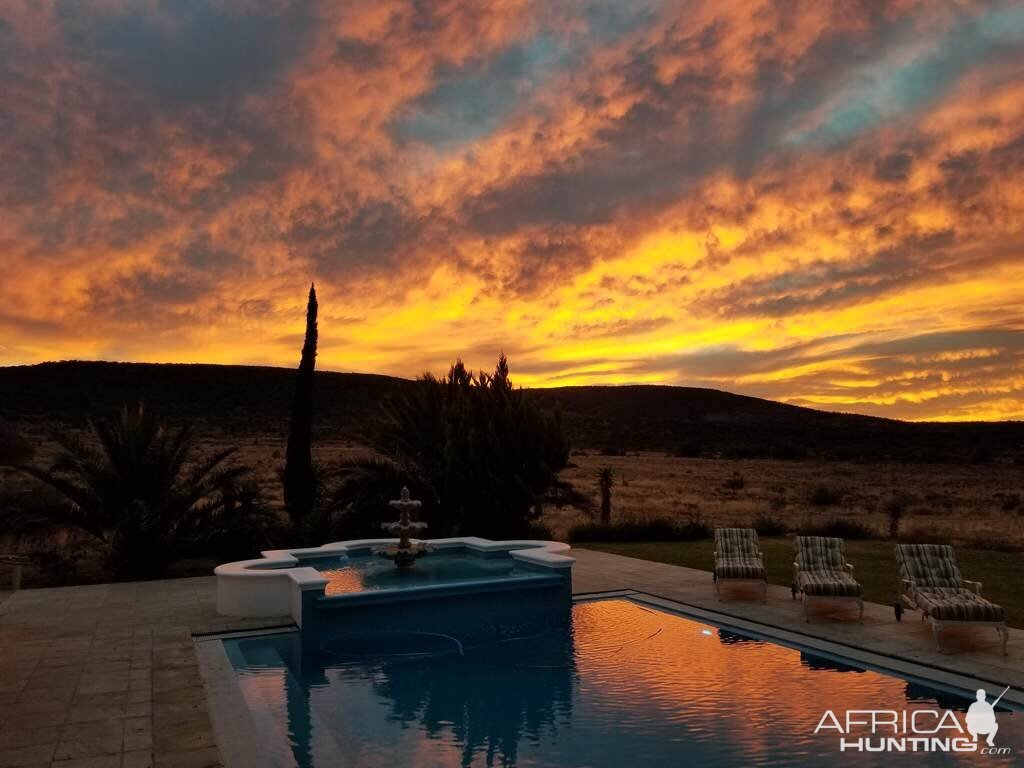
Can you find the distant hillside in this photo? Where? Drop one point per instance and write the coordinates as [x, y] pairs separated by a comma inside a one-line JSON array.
[[688, 421]]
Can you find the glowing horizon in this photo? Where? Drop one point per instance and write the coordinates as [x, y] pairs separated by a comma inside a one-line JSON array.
[[810, 204]]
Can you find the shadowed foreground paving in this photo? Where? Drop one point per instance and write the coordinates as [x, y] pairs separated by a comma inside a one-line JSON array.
[[106, 676]]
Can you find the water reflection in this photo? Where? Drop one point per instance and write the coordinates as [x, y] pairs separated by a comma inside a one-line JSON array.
[[627, 686], [814, 661]]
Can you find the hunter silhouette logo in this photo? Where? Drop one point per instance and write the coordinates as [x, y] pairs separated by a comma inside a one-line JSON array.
[[981, 717], [921, 730]]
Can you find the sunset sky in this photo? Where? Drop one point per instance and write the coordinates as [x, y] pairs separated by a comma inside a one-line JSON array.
[[820, 203]]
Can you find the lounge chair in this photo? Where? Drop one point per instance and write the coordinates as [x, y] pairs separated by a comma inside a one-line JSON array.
[[931, 582], [820, 572], [738, 558]]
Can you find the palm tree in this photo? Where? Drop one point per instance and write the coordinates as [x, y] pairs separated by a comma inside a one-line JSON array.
[[143, 495]]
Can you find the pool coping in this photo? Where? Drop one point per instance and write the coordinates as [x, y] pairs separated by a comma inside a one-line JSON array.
[[234, 727]]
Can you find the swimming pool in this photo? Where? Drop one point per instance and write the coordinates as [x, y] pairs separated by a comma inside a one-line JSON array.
[[624, 685]]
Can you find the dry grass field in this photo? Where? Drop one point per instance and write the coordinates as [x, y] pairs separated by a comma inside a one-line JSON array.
[[981, 505], [971, 504]]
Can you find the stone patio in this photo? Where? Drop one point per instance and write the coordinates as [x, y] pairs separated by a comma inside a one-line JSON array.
[[106, 676]]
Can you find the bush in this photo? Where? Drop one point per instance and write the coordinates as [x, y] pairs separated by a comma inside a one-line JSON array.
[[540, 531], [895, 508], [480, 454], [1011, 501], [766, 525], [648, 529], [843, 529], [824, 496], [788, 452], [688, 451], [734, 483]]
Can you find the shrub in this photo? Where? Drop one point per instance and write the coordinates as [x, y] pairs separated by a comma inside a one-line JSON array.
[[895, 508], [824, 496], [766, 525], [734, 483], [788, 452], [14, 449], [480, 454], [688, 451], [1011, 501], [839, 528], [540, 531], [645, 529]]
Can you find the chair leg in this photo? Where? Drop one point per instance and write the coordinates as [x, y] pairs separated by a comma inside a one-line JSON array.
[[860, 604], [807, 615], [1004, 633], [718, 589], [936, 630]]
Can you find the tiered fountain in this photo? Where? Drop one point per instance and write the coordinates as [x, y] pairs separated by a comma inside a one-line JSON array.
[[406, 552]]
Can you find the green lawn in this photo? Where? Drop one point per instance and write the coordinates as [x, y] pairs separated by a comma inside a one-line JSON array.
[[1002, 573]]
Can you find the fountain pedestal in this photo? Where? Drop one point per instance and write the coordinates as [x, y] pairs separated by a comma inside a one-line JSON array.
[[406, 552]]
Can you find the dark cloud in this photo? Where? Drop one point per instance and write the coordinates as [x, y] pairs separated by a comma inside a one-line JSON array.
[[914, 260], [894, 167], [370, 233], [198, 52]]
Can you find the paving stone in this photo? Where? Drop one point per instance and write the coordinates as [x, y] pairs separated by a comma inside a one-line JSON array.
[[20, 757], [193, 758], [90, 739], [100, 761], [142, 758], [12, 738]]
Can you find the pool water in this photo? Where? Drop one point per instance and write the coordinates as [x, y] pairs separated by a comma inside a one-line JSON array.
[[370, 573], [626, 685]]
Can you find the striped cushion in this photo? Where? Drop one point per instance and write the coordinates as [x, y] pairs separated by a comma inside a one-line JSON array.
[[957, 604], [739, 568], [814, 553], [929, 565], [733, 542], [825, 583]]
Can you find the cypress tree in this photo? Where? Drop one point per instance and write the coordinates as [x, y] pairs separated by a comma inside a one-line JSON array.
[[299, 477]]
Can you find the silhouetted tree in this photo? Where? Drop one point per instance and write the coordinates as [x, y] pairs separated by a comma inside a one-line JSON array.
[[144, 495], [481, 454], [605, 481], [299, 476]]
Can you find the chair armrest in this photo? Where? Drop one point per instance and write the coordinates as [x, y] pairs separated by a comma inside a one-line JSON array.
[[848, 567], [907, 584], [975, 585]]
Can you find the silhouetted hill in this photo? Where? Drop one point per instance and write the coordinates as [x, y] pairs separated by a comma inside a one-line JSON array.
[[688, 421]]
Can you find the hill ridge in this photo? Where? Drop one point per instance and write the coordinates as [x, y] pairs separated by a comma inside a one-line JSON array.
[[686, 420]]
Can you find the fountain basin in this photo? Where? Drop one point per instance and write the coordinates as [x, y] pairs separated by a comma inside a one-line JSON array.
[[482, 583]]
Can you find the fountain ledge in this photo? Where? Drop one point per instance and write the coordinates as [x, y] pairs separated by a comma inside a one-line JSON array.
[[277, 584]]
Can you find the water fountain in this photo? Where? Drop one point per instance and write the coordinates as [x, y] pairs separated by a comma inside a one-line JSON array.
[[406, 552]]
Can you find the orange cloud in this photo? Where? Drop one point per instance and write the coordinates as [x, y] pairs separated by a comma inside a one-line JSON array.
[[810, 203]]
